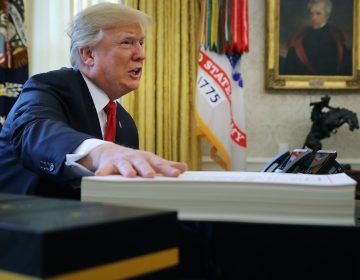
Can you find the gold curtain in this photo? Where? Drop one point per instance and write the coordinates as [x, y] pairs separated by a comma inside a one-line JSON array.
[[163, 106]]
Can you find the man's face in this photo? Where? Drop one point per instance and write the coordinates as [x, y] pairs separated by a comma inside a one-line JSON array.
[[118, 60], [318, 15]]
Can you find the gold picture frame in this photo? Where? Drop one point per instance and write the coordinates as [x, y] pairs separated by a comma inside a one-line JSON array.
[[278, 72]]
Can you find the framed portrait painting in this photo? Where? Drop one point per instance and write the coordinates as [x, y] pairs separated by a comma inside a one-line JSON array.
[[312, 44]]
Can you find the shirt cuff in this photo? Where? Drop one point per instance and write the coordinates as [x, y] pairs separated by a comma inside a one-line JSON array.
[[76, 169]]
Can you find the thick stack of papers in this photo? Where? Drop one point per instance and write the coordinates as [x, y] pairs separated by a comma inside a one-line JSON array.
[[235, 196]]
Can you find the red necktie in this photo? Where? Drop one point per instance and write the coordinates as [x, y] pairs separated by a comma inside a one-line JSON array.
[[110, 131]]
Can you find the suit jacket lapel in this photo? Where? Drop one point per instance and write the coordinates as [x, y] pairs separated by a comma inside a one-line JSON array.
[[92, 120]]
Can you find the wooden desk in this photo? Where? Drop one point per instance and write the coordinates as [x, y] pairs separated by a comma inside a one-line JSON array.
[[233, 249], [259, 251]]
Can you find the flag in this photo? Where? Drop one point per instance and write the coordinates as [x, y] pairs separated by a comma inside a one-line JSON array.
[[13, 54], [220, 94]]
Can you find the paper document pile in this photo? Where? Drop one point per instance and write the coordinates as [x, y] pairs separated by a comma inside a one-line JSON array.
[[235, 196]]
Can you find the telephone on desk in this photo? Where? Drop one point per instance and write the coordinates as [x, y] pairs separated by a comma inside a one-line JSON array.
[[304, 161]]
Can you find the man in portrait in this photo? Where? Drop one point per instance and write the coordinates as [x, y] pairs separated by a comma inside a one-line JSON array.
[[319, 47]]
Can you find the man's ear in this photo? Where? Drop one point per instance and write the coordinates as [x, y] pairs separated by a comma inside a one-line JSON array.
[[86, 56]]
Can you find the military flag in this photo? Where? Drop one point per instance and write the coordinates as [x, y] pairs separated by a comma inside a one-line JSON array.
[[220, 88]]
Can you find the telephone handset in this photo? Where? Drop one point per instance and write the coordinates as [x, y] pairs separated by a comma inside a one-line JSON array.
[[304, 161], [299, 159], [276, 161], [324, 163]]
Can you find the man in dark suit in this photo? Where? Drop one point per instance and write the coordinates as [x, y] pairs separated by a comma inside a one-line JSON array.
[[54, 133]]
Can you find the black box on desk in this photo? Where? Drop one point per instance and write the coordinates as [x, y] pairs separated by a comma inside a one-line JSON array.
[[44, 238]]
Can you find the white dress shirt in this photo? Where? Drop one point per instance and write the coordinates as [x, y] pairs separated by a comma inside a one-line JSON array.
[[100, 100]]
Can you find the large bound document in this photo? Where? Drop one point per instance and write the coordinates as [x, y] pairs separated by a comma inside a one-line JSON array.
[[235, 196]]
